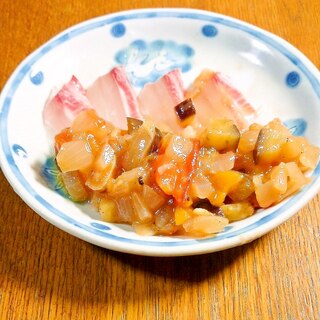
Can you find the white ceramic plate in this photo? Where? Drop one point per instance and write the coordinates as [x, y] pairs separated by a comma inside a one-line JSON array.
[[274, 76]]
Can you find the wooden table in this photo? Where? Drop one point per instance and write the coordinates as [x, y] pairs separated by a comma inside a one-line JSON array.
[[48, 274]]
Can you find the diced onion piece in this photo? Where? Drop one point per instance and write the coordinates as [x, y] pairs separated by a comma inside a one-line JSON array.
[[257, 180], [152, 198], [201, 225], [142, 212], [95, 199], [144, 229], [74, 185], [310, 156], [74, 155], [164, 221], [140, 146], [296, 179], [166, 178], [267, 194], [278, 176], [103, 169], [89, 121], [220, 162], [201, 187], [237, 211], [175, 167], [125, 210], [178, 148], [128, 181]]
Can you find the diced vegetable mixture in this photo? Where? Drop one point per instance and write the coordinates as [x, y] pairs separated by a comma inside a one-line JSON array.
[[164, 183], [188, 182]]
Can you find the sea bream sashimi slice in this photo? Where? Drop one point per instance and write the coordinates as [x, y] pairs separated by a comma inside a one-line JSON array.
[[157, 101], [111, 95], [114, 98], [62, 108], [215, 97]]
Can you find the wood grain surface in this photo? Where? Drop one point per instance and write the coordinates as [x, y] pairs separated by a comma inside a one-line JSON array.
[[47, 274]]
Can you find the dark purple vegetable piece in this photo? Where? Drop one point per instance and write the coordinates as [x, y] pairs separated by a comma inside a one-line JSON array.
[[185, 109]]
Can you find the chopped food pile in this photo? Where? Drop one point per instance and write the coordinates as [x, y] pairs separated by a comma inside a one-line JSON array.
[[171, 161]]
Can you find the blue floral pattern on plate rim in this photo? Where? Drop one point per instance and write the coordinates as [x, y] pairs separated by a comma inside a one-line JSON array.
[[95, 227]]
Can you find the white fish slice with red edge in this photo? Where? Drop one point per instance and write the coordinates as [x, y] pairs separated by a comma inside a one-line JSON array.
[[60, 110], [114, 98], [215, 97], [157, 100]]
